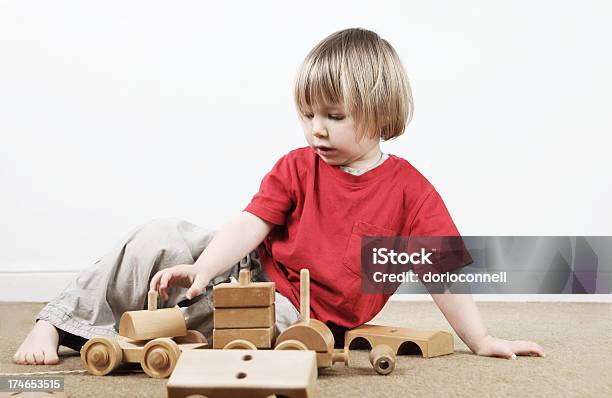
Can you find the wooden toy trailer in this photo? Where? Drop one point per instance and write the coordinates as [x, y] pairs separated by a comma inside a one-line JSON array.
[[387, 341], [154, 338]]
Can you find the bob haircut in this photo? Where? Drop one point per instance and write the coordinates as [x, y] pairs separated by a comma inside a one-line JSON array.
[[361, 72]]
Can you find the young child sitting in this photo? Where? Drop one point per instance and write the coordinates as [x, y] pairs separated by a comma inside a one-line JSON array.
[[311, 211]]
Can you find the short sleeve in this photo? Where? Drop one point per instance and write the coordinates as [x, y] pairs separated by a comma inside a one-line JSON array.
[[433, 220], [274, 200]]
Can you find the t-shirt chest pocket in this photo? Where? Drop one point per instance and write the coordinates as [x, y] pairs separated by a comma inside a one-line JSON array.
[[352, 254]]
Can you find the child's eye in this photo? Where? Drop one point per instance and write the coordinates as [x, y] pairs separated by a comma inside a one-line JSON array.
[[333, 117]]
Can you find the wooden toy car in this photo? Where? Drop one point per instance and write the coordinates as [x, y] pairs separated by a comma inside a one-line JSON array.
[[154, 338]]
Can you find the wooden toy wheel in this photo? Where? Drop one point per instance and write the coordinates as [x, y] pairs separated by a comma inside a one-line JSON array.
[[240, 345], [193, 336], [382, 358], [101, 355], [159, 357], [291, 345]]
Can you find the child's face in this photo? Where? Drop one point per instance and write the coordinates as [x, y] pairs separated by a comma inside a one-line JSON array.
[[331, 133]]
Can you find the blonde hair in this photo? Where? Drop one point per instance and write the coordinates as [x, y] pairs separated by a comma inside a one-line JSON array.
[[359, 70]]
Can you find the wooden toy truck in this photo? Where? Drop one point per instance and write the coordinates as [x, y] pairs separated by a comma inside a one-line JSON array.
[[154, 338], [244, 318], [311, 334]]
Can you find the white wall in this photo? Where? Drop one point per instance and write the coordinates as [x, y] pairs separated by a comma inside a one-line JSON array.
[[113, 113]]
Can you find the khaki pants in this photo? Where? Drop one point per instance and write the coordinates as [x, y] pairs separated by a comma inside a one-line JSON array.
[[93, 303]]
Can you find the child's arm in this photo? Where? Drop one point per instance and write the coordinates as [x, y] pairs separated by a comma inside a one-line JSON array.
[[463, 315], [235, 240]]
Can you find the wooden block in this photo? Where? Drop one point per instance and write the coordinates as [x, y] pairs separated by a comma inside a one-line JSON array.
[[233, 295], [261, 337], [432, 343], [243, 318], [244, 373]]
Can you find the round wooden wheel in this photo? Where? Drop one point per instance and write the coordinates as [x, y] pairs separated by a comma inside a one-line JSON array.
[[101, 355], [291, 345], [382, 358], [159, 357], [193, 336], [240, 345]]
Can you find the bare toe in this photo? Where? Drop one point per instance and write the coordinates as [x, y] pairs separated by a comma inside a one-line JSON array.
[[40, 346], [51, 357], [17, 358], [29, 358], [39, 357]]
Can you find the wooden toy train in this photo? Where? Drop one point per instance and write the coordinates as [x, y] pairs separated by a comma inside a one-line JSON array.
[[244, 318]]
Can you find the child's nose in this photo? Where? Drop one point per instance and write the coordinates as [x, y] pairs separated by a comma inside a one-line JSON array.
[[319, 133], [318, 130]]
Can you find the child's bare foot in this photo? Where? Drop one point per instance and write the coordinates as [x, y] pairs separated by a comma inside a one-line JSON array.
[[40, 346]]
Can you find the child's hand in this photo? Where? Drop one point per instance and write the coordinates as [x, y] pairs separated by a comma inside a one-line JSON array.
[[184, 275], [490, 346]]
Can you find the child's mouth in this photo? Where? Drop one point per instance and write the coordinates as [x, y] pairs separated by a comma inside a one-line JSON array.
[[325, 151]]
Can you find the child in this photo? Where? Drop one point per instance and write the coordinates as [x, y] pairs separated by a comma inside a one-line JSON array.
[[311, 211]]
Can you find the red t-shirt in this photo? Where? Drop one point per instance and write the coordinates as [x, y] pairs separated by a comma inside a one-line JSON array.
[[321, 212]]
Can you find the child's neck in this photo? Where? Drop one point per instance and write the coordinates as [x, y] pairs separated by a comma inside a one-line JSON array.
[[368, 160], [359, 171]]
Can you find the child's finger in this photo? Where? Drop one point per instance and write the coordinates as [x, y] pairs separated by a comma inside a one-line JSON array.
[[501, 351], [508, 354], [196, 288], [155, 280], [164, 282], [528, 348]]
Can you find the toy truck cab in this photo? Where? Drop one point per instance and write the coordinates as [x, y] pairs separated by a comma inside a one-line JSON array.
[[154, 338]]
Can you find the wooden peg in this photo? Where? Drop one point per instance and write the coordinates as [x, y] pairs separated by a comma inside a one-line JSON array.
[[304, 295], [152, 300], [244, 277]]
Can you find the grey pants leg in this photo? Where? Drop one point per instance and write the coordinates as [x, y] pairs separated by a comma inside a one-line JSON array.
[[92, 304]]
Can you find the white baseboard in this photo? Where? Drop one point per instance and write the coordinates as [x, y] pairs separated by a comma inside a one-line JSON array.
[[40, 286], [37, 286]]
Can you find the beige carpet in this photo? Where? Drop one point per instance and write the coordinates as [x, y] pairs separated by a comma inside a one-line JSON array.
[[577, 339]]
